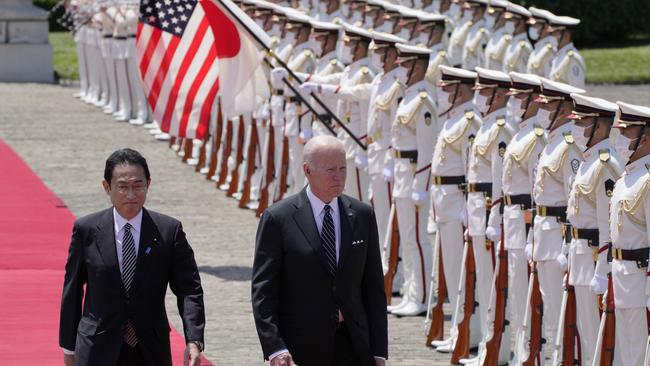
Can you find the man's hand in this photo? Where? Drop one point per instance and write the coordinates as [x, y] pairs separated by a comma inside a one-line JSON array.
[[283, 359], [68, 360], [192, 355], [380, 361]]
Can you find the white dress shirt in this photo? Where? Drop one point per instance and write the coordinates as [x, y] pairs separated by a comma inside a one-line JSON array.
[[136, 226]]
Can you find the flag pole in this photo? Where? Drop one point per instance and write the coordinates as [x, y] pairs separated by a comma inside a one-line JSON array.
[[272, 54]]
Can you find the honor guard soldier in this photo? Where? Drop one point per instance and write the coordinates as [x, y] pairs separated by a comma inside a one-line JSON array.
[[431, 33], [390, 18], [541, 59], [519, 50], [77, 9], [629, 223], [109, 12], [121, 36], [140, 107], [558, 163], [352, 108], [477, 36], [567, 66], [484, 195], [519, 163], [448, 169], [408, 20], [412, 132], [459, 35], [330, 11], [588, 213], [501, 28]]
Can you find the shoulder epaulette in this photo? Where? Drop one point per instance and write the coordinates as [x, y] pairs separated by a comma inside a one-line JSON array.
[[364, 69], [539, 131], [501, 121], [568, 138], [469, 115], [604, 155]]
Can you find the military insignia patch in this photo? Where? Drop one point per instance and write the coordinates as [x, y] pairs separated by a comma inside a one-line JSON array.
[[502, 149], [575, 164], [427, 119], [609, 187]]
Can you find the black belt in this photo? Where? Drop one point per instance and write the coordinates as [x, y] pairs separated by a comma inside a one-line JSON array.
[[121, 37], [131, 35], [279, 92], [558, 211], [107, 36], [640, 256], [588, 234], [480, 187], [294, 99], [523, 200], [451, 180], [412, 155]]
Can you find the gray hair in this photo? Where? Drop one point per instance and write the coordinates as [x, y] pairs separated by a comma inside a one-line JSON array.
[[320, 145]]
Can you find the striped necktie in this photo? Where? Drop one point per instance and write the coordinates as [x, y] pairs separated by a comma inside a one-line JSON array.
[[128, 272], [328, 239]]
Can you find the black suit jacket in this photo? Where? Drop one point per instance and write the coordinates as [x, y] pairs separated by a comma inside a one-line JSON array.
[[164, 257], [294, 296]]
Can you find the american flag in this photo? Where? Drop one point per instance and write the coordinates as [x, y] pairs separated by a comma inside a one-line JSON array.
[[177, 60]]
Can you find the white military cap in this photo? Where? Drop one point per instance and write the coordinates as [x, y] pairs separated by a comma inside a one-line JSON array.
[[352, 31], [518, 11], [585, 106], [632, 115], [455, 75], [426, 17], [491, 78], [469, 3], [555, 90], [538, 14], [382, 37], [499, 4], [524, 83], [407, 52], [563, 21]]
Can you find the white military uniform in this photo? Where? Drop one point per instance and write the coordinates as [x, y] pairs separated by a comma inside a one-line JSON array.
[[108, 54], [485, 166], [629, 220], [457, 40], [568, 67], [517, 53], [438, 57], [450, 160], [588, 208], [413, 130], [540, 61], [139, 105], [558, 164], [120, 44], [475, 43], [495, 50], [302, 60]]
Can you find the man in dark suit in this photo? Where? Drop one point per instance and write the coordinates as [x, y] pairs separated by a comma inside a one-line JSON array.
[[317, 288], [126, 256]]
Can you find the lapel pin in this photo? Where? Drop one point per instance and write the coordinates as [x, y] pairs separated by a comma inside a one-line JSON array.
[[147, 250]]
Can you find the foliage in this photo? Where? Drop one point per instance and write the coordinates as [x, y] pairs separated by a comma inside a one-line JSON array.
[[65, 55], [618, 66]]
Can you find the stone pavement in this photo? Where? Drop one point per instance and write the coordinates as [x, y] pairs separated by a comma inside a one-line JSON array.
[[66, 143]]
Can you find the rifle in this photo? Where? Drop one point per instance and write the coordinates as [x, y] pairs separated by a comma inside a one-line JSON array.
[[172, 141], [234, 174], [188, 145], [216, 143], [250, 166], [461, 349], [607, 332], [435, 316], [392, 240], [493, 345], [537, 313], [270, 168], [202, 155], [284, 169], [225, 153]]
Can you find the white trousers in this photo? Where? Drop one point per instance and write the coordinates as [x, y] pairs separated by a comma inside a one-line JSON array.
[[517, 292], [483, 259], [415, 248], [356, 182], [140, 107], [380, 192], [296, 175], [83, 70], [124, 90], [551, 287], [631, 336], [459, 312], [588, 320], [111, 75]]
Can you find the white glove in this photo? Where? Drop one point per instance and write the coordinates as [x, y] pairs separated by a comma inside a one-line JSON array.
[[309, 87], [278, 74], [463, 215], [529, 251], [493, 233], [387, 173], [419, 198], [305, 134], [562, 261], [598, 284], [361, 160]]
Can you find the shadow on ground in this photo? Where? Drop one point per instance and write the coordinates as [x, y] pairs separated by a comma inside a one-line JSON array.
[[228, 273]]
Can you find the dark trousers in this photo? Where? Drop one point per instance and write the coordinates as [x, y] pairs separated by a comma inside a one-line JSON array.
[[131, 356], [344, 354]]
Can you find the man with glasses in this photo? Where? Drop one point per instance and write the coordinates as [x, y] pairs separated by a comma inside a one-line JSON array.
[[125, 257]]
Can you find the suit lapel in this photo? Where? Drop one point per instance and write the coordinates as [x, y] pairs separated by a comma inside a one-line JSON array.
[[148, 242], [347, 218], [304, 218], [105, 242]]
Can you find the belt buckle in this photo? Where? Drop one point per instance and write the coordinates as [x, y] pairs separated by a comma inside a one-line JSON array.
[[398, 154], [437, 180], [471, 187], [574, 233], [508, 200], [617, 253], [541, 210]]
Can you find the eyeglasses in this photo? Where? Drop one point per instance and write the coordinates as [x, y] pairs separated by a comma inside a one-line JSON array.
[[137, 189]]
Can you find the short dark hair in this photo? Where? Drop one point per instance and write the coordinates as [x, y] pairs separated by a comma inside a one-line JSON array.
[[125, 156]]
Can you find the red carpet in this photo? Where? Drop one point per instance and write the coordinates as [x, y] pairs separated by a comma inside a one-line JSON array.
[[35, 229]]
